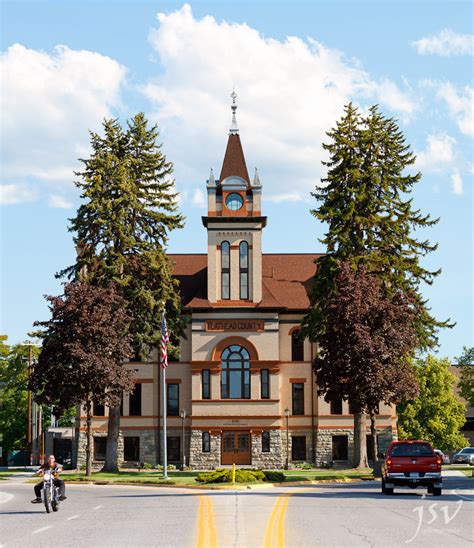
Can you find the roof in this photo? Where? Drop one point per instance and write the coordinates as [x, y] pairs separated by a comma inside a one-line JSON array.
[[286, 283], [234, 160]]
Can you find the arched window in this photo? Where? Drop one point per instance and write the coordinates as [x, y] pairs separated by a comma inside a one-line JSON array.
[[235, 375], [206, 442], [225, 270], [297, 347], [244, 270]]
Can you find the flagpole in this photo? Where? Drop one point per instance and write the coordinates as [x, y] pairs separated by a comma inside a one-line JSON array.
[[163, 398]]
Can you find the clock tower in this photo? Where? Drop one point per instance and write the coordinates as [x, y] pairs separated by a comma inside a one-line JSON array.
[[234, 226]]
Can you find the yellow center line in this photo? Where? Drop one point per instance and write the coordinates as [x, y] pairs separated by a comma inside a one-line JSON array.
[[206, 536], [275, 531]]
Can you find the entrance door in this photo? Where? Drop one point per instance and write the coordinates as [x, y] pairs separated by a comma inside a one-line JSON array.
[[236, 448]]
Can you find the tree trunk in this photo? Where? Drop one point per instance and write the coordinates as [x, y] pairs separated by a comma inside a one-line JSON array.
[[113, 427], [88, 437], [373, 433], [360, 440]]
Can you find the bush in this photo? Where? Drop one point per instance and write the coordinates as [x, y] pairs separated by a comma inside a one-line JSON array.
[[224, 475], [274, 476]]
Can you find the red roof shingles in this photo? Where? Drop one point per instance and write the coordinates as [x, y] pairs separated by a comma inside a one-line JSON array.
[[234, 160], [286, 282]]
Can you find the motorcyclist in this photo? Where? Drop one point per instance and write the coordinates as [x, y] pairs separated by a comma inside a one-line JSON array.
[[55, 468]]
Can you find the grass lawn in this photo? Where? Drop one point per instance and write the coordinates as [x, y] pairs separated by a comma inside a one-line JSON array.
[[327, 474], [188, 478], [466, 469]]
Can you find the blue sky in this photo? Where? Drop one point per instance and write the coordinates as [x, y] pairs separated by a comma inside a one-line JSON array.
[[294, 65]]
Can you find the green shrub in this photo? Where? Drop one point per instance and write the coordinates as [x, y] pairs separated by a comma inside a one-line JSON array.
[[145, 466], [274, 476], [224, 475]]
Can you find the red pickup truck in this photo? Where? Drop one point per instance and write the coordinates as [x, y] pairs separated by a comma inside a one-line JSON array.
[[411, 464]]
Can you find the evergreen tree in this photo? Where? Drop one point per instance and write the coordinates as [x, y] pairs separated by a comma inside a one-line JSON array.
[[122, 228], [437, 414], [371, 221]]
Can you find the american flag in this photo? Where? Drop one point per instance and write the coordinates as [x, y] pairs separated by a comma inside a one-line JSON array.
[[165, 339]]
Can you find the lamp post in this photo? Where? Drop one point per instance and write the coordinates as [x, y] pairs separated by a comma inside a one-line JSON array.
[[287, 414], [73, 442], [182, 414]]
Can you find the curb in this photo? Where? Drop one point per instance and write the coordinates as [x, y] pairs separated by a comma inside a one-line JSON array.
[[216, 487]]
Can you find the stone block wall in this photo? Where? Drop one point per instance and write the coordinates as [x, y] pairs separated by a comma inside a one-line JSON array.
[[204, 461], [324, 445], [80, 450], [273, 459]]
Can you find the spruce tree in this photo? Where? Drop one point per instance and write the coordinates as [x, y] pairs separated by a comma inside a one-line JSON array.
[[365, 202], [122, 229]]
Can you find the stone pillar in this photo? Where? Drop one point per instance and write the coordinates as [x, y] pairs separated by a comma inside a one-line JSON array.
[[204, 461]]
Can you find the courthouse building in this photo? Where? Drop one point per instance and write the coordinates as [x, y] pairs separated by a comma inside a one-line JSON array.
[[243, 389]]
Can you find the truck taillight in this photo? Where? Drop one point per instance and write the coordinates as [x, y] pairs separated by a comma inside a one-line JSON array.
[[438, 461], [389, 462]]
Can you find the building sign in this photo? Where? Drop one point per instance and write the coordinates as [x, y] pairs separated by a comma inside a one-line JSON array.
[[235, 325]]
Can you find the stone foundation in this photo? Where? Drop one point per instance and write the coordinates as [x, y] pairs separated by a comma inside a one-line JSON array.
[[275, 458], [81, 440], [204, 461]]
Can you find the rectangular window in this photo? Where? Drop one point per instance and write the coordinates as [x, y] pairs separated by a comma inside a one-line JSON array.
[[244, 285], [226, 285], [266, 442], [297, 347], [264, 384], [98, 410], [206, 442], [136, 401], [131, 448], [206, 384], [173, 448], [173, 400], [336, 406], [339, 448], [298, 398], [100, 446], [298, 448]]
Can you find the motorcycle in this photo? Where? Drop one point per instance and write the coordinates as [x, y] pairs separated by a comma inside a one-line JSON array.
[[50, 493]]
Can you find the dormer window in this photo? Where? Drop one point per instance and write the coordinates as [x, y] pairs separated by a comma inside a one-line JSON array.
[[234, 201], [225, 270]]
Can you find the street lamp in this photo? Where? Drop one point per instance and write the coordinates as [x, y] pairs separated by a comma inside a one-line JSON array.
[[287, 414], [73, 440], [182, 414]]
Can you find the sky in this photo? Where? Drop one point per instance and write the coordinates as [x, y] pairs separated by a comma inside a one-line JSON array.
[[68, 65]]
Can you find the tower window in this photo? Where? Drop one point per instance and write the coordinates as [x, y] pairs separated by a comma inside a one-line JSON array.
[[244, 270], [225, 270], [234, 201]]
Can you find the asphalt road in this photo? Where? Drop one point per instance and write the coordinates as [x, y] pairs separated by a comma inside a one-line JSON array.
[[328, 515]]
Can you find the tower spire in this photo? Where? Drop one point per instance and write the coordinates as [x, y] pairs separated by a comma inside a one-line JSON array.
[[234, 130]]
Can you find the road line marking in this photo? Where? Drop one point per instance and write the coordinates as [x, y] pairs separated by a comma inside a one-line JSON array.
[[42, 529], [73, 517], [207, 536], [275, 536], [97, 507]]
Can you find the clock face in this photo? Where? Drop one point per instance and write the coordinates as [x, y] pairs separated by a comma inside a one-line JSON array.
[[234, 201]]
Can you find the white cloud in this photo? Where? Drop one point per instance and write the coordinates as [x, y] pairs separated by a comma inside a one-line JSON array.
[[446, 43], [60, 202], [16, 193], [457, 182], [199, 199], [438, 153], [290, 93], [460, 103], [49, 101]]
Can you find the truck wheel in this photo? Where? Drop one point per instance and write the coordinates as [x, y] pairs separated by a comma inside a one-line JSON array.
[[437, 491], [430, 489], [383, 486], [389, 490]]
